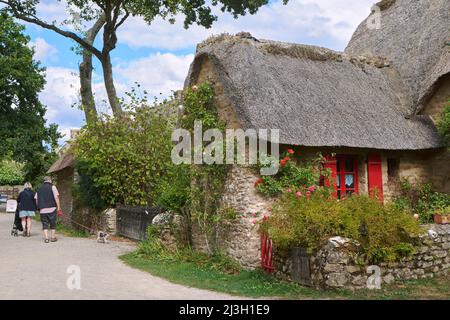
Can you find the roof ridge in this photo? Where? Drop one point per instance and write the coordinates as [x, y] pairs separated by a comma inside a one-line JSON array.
[[295, 50]]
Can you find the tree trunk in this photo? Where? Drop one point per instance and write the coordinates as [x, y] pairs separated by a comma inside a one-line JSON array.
[[109, 85], [87, 96]]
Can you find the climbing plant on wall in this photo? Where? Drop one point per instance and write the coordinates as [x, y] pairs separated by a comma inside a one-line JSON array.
[[207, 181]]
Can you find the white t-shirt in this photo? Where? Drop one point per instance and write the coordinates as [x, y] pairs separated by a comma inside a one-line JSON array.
[[49, 210]]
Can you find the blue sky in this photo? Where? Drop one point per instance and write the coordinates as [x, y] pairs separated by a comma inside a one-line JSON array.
[[158, 55]]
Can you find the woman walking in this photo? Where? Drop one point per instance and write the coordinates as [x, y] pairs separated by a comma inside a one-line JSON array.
[[27, 208]]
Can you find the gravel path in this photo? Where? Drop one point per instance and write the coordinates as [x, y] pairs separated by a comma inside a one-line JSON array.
[[32, 269]]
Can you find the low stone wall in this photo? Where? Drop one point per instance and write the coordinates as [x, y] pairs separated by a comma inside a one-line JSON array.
[[337, 266], [11, 191]]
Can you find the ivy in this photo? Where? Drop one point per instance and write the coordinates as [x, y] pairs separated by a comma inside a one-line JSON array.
[[207, 181]]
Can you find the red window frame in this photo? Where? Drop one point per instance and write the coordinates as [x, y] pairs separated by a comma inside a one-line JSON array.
[[339, 171], [342, 172]]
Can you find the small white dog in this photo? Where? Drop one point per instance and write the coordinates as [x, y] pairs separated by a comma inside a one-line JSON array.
[[102, 237]]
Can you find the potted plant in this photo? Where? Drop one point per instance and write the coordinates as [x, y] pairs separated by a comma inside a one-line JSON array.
[[442, 216]]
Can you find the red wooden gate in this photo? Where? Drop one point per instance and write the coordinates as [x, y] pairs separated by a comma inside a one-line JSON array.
[[266, 250]]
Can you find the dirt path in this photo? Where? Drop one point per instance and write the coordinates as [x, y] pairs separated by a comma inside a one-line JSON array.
[[31, 269]]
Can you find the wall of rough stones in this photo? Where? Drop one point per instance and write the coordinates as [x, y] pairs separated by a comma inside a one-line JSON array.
[[336, 265], [240, 239], [11, 191]]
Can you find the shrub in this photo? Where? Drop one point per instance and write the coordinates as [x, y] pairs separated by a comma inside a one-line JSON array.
[[443, 125], [11, 173], [383, 231], [127, 156], [420, 198], [85, 190]]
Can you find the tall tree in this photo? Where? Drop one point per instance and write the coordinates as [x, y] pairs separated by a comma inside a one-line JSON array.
[[116, 12], [24, 135]]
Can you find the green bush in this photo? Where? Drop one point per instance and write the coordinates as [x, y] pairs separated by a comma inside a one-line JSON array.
[[444, 125], [174, 189], [420, 198], [383, 231], [11, 173], [85, 190], [127, 156]]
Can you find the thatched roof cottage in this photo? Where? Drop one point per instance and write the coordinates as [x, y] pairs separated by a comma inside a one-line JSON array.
[[373, 105]]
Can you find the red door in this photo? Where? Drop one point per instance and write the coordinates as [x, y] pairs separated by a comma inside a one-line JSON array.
[[375, 176]]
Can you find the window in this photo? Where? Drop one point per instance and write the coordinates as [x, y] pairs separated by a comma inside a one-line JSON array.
[[344, 172], [346, 176], [393, 169]]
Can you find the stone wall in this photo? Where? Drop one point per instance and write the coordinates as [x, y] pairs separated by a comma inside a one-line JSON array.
[[337, 266], [240, 239], [11, 191], [64, 183]]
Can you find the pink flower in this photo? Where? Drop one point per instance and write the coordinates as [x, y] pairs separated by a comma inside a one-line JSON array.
[[298, 194], [308, 194], [254, 214], [255, 221], [289, 190], [312, 189], [290, 151]]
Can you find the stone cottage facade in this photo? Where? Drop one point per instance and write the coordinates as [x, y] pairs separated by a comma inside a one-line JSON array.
[[371, 109]]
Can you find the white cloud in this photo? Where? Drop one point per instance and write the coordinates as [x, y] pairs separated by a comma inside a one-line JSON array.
[[157, 73], [43, 51], [60, 93], [296, 22]]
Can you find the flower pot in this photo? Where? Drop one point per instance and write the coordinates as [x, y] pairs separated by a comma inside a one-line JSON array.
[[441, 219]]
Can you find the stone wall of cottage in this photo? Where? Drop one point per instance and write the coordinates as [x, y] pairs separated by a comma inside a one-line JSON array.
[[431, 166], [64, 183], [240, 238], [337, 266]]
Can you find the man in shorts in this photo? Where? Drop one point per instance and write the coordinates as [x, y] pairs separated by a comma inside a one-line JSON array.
[[48, 204]]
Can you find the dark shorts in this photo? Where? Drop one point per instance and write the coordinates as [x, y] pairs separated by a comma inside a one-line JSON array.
[[48, 219]]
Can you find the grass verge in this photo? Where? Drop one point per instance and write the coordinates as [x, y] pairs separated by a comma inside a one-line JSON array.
[[211, 275]]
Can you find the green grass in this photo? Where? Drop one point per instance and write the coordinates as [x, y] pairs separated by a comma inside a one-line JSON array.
[[256, 284]]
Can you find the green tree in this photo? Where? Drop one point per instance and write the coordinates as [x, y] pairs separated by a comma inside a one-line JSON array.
[[23, 131], [116, 12]]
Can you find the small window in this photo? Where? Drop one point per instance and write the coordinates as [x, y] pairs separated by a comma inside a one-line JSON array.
[[393, 168]]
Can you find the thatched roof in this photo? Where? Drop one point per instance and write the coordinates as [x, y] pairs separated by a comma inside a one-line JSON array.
[[67, 160], [315, 96], [413, 37]]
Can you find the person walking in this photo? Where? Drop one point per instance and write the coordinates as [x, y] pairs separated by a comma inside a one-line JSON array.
[[26, 204], [48, 205]]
